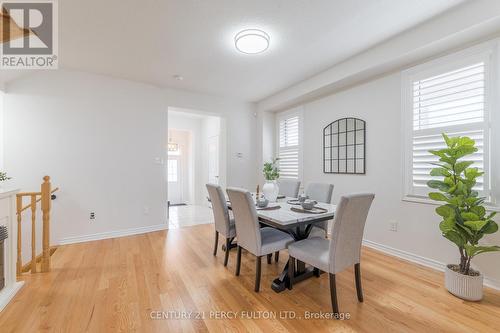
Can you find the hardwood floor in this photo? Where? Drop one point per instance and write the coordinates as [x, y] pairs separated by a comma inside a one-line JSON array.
[[119, 284]]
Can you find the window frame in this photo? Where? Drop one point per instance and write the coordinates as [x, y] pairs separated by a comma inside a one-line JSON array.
[[487, 53], [298, 111]]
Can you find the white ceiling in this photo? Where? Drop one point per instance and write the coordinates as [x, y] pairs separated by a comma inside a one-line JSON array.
[[152, 40]]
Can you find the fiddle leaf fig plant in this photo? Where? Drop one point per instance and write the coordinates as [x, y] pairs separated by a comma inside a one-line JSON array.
[[464, 218], [271, 170], [3, 176]]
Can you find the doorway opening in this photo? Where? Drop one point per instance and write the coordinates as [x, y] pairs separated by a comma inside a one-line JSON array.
[[196, 151]]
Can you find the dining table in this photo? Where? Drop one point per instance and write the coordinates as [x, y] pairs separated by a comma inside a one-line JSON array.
[[287, 215]]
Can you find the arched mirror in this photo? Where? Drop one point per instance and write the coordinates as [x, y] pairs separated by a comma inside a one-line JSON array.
[[344, 146]]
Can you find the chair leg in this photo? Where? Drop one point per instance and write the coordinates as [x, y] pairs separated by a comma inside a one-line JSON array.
[[238, 261], [226, 255], [216, 242], [359, 288], [269, 258], [276, 256], [257, 273], [333, 295], [291, 272]]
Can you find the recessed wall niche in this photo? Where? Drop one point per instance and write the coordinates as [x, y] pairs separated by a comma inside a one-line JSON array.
[[344, 146]]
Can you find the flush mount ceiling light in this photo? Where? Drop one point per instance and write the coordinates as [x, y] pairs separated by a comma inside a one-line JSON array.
[[251, 41]]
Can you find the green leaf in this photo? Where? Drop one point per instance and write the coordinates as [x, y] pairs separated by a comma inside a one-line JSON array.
[[437, 196], [447, 225], [446, 166], [466, 141], [446, 139], [469, 216], [490, 228], [438, 184], [464, 231], [479, 211], [450, 160], [445, 211], [464, 151], [440, 172], [455, 237], [475, 225], [461, 166], [474, 250], [440, 153]]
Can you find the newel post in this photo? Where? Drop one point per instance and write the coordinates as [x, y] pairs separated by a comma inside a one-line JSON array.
[[46, 203]]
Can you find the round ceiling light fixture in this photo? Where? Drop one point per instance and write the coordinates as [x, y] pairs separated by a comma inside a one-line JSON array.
[[251, 41]]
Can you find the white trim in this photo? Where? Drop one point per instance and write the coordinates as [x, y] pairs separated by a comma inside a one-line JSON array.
[[427, 262], [8, 293], [490, 207], [112, 234]]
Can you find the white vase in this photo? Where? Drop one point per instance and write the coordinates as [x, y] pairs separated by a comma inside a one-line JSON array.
[[466, 287], [271, 190]]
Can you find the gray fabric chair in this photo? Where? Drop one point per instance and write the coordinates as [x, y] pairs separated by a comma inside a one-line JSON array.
[[320, 192], [289, 187], [256, 240], [344, 248], [224, 224]]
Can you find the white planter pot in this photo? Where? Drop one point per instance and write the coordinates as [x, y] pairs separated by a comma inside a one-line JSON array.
[[271, 191], [463, 286]]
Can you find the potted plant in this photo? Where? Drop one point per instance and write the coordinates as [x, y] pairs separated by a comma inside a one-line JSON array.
[[271, 174], [464, 218], [3, 178]]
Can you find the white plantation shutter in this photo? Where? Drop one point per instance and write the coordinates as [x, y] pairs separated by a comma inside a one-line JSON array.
[[289, 146], [451, 101]]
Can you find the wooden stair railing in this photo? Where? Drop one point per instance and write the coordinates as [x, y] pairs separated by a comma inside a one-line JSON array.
[[45, 196]]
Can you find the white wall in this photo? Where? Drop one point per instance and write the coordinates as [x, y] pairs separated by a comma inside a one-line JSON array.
[[100, 139], [379, 104]]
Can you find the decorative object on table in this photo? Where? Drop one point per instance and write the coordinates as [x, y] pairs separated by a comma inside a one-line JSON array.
[[344, 146], [308, 204], [303, 198], [262, 202], [464, 218], [271, 174], [294, 202], [269, 208], [314, 210]]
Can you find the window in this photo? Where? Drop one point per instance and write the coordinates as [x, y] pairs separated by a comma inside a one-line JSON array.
[[289, 144], [451, 96]]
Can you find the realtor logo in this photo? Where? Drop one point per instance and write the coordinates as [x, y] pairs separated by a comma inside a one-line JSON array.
[[29, 35]]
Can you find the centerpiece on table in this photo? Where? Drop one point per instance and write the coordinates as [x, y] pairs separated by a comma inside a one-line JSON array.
[[464, 217], [271, 174]]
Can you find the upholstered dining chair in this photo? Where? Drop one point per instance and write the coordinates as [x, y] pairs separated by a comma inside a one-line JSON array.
[[256, 240], [289, 187], [321, 192], [224, 224], [344, 248]]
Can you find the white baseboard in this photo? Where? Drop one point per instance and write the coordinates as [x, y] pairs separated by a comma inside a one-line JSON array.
[[112, 234], [437, 265], [7, 294]]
